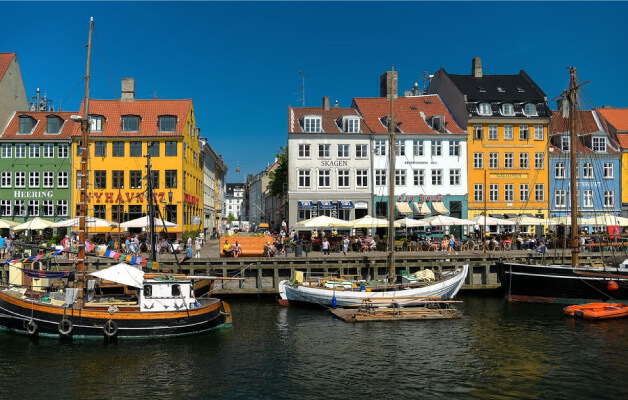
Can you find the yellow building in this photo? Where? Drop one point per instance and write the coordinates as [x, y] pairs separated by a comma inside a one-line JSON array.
[[123, 133], [617, 125]]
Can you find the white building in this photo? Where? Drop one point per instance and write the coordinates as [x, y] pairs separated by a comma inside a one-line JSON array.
[[214, 173], [233, 200]]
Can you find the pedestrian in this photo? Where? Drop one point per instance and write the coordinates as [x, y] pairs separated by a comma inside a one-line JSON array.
[[198, 244], [452, 244], [325, 248], [188, 254], [202, 236], [8, 244], [189, 242], [2, 247], [345, 245]]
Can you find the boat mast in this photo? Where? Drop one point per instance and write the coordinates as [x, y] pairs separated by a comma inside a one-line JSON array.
[[391, 185], [572, 97], [84, 146], [151, 210]]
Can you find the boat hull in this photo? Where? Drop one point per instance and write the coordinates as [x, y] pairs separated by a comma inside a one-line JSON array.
[[597, 310], [561, 284], [446, 289], [22, 316]]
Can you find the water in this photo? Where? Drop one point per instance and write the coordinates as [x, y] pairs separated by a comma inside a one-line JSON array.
[[496, 351]]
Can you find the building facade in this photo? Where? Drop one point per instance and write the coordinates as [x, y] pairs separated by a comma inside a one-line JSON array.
[[234, 197], [214, 173], [616, 121], [12, 92]]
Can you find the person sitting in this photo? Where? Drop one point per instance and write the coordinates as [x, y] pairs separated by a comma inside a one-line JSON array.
[[507, 244], [226, 249], [542, 248], [267, 252], [237, 249]]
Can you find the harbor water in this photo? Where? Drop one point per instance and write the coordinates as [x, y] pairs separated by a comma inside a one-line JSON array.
[[497, 350]]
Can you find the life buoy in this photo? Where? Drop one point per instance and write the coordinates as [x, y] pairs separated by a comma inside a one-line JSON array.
[[65, 327], [110, 328], [31, 327]]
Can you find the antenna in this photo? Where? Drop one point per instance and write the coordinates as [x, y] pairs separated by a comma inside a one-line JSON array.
[[425, 80], [303, 76]]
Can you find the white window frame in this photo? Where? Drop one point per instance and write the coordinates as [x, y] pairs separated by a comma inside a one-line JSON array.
[[529, 109], [304, 151], [304, 178], [352, 124], [47, 208], [361, 178], [478, 192], [454, 177], [524, 192], [564, 143], [400, 147], [493, 160], [509, 192], [609, 198], [454, 148], [539, 160], [419, 177], [62, 179], [587, 171], [20, 206], [6, 179], [343, 151], [436, 148], [380, 147], [20, 179], [34, 179], [560, 171], [5, 208], [312, 124], [509, 132], [62, 208], [20, 150], [63, 150], [507, 109], [380, 177], [33, 208], [34, 150], [49, 150], [344, 179], [324, 151], [524, 132], [324, 178], [7, 150], [48, 179], [539, 191], [599, 144], [609, 171], [418, 148], [437, 177], [493, 192], [361, 151], [478, 160], [493, 132], [539, 132], [400, 177], [509, 160], [560, 198], [484, 108], [587, 199], [524, 160]]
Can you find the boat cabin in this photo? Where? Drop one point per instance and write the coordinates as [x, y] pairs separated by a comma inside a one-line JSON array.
[[171, 294]]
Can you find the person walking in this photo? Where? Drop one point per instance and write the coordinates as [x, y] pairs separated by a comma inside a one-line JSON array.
[[345, 245], [198, 244], [325, 247]]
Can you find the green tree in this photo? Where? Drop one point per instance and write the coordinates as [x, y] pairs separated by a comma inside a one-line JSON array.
[[231, 218], [279, 177]]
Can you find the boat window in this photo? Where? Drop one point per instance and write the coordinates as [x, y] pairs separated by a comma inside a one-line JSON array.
[[148, 290], [176, 290]]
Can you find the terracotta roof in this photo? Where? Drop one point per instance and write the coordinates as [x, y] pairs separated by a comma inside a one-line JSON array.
[[331, 119], [618, 117], [148, 110], [586, 123], [5, 61], [39, 130], [407, 113]]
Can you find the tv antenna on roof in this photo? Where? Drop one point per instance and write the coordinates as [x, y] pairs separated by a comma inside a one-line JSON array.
[[303, 76]]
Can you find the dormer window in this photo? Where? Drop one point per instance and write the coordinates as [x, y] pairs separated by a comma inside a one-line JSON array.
[[95, 122], [53, 124], [312, 123], [26, 124], [481, 89], [484, 109], [508, 109], [351, 124], [438, 123], [520, 90], [529, 109], [564, 143], [167, 123], [130, 123], [599, 144], [501, 89]]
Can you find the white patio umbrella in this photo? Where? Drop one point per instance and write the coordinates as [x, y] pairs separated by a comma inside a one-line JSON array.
[[601, 220], [6, 224], [525, 220], [444, 220], [371, 222], [122, 273], [143, 222], [490, 221], [323, 221], [89, 222], [411, 223], [34, 224]]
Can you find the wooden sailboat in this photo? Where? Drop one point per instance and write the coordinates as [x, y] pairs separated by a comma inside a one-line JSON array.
[[568, 284], [155, 305]]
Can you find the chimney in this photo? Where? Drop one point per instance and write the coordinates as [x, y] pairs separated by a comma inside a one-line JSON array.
[[388, 84], [336, 104], [563, 107], [326, 103], [476, 67], [128, 89]]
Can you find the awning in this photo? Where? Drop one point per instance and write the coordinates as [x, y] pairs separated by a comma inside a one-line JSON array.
[[345, 204], [326, 205], [499, 216], [403, 208], [422, 208], [508, 215], [306, 205], [439, 207], [527, 215], [362, 205]]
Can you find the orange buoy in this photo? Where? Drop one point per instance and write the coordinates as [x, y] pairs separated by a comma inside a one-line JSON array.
[[612, 286]]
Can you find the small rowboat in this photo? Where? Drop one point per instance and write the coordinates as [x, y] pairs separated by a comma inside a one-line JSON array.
[[597, 310]]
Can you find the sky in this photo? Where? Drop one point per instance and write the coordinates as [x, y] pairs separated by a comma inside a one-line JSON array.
[[240, 62]]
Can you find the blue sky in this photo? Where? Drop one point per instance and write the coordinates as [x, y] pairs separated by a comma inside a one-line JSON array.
[[240, 61]]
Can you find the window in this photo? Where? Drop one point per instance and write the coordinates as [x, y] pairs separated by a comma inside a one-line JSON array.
[[478, 192], [380, 147], [419, 177], [524, 133], [539, 160], [492, 132], [509, 192], [167, 123], [478, 160], [153, 149], [587, 200], [361, 151], [493, 160], [100, 211], [524, 192], [130, 123], [609, 198], [48, 179], [170, 179], [5, 180], [117, 149], [100, 179], [95, 123], [587, 170], [509, 160], [608, 171], [478, 132], [117, 179], [538, 132], [343, 151], [454, 177], [20, 150], [154, 178], [599, 144], [324, 178], [136, 149], [62, 179], [26, 124], [19, 208], [62, 208], [78, 179], [454, 148], [361, 178], [559, 170], [437, 148], [352, 125], [33, 179], [437, 177], [400, 177], [539, 191], [171, 149], [53, 124], [304, 151], [5, 208], [20, 179], [493, 192], [529, 109], [7, 150], [323, 151], [400, 147], [49, 150], [304, 178], [524, 160], [100, 149], [564, 141], [135, 179], [509, 132], [380, 177], [560, 197], [312, 124], [417, 148], [33, 208], [33, 150], [62, 150], [507, 109], [484, 109], [343, 178]]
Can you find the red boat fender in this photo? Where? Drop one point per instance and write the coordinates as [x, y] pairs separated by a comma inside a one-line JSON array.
[[612, 286]]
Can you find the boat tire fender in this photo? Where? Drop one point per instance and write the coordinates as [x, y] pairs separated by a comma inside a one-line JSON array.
[[65, 327], [31, 327], [110, 329]]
